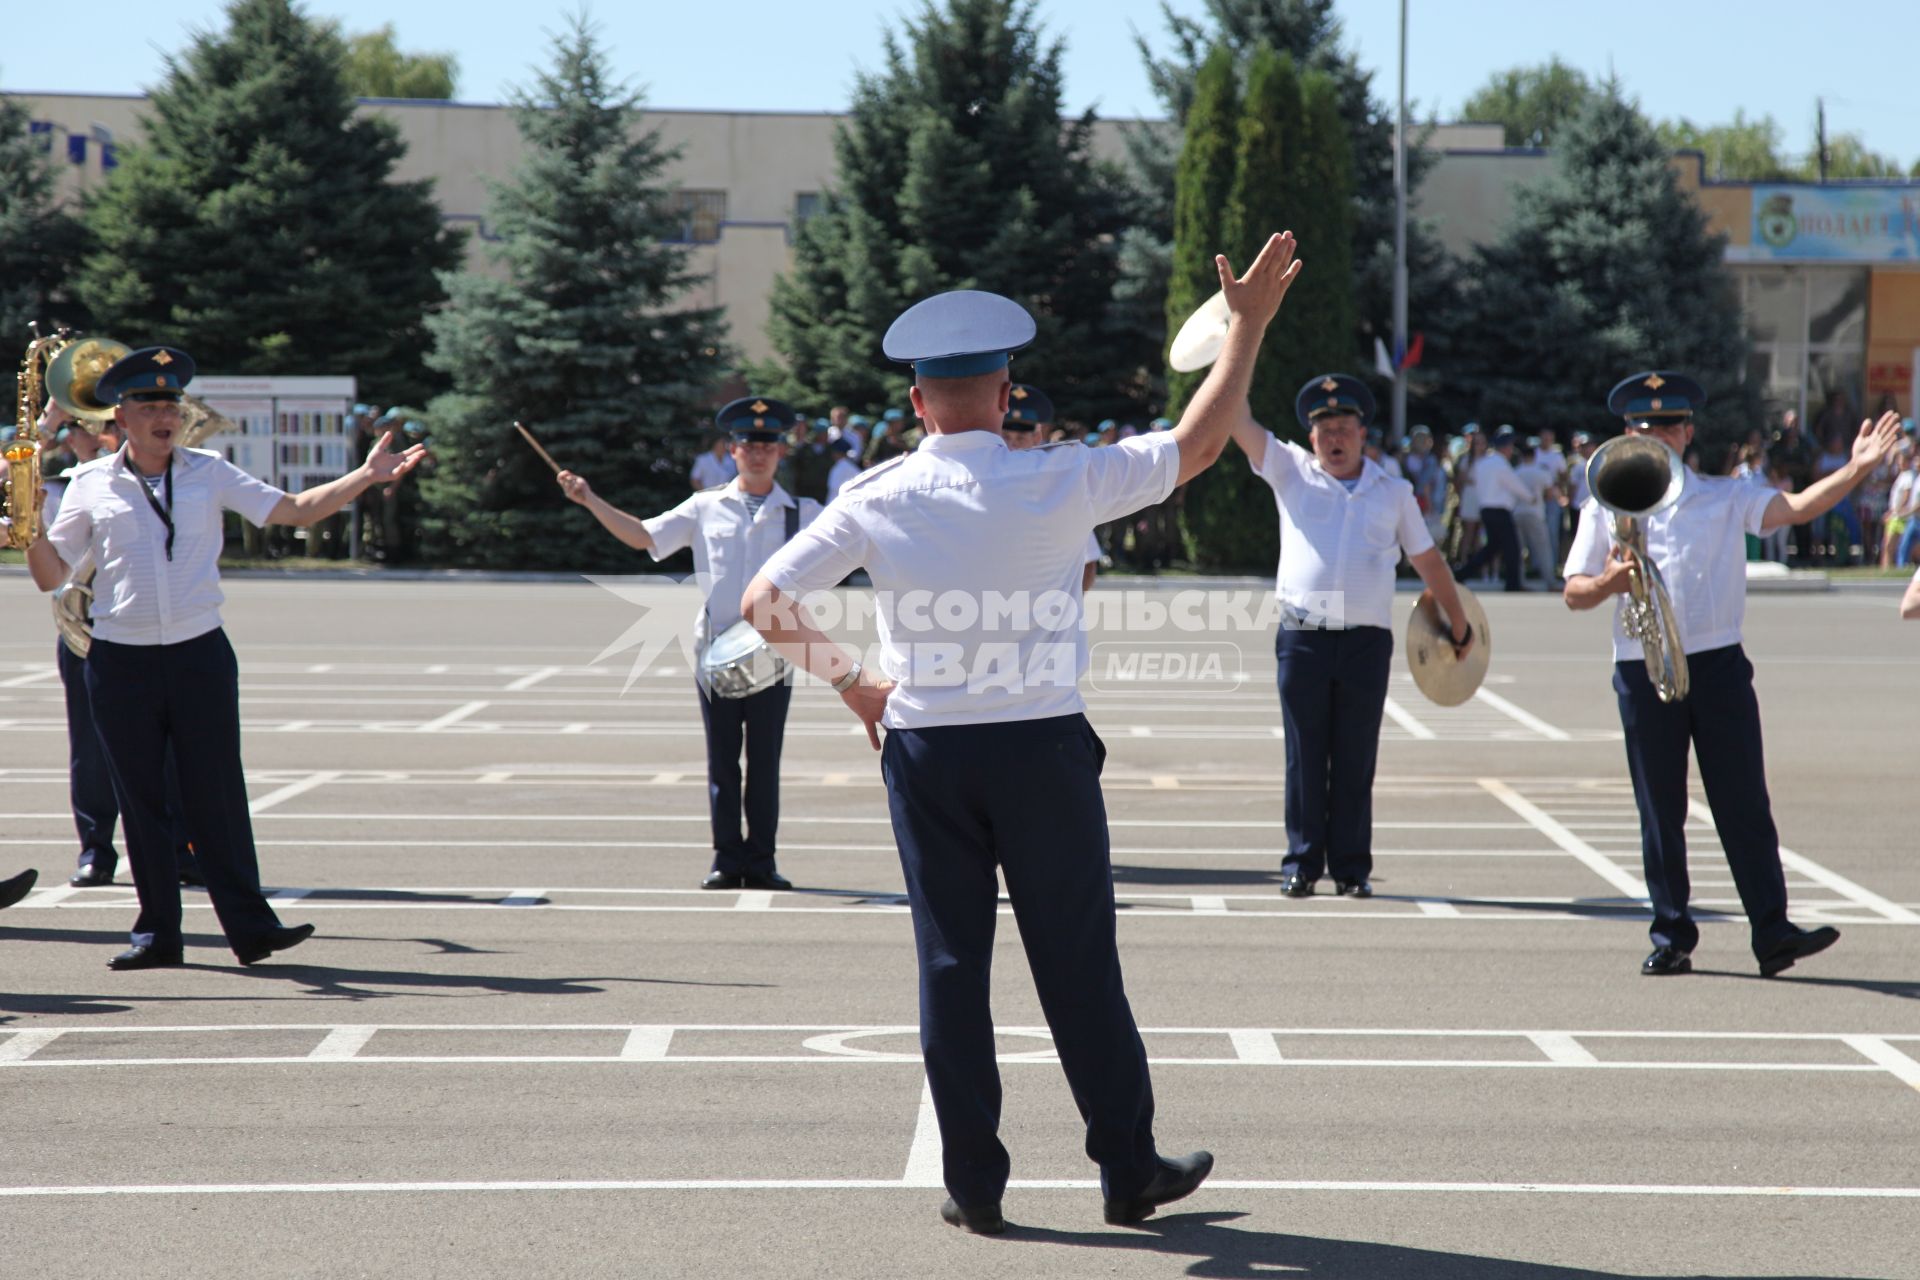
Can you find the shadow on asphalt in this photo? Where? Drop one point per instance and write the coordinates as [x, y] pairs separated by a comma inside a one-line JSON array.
[[1899, 989], [1123, 874], [332, 982], [1221, 1250]]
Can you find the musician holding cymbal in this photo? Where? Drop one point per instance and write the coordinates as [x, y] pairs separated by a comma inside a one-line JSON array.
[[733, 529], [1696, 541], [1343, 523]]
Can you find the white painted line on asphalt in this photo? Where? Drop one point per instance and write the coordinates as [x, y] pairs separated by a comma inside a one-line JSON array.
[[897, 1184], [341, 1044], [524, 898], [292, 789], [52, 897], [578, 726], [1140, 730], [293, 726], [1252, 1045], [1131, 851], [1606, 868], [754, 900], [642, 819], [669, 779], [1876, 1049], [1164, 782], [31, 678], [487, 779], [1205, 904], [24, 1044], [1522, 716], [1563, 1049], [452, 717], [1859, 895], [647, 1044], [287, 895], [319, 669], [533, 678], [925, 1155], [437, 669], [1442, 910], [1405, 719]]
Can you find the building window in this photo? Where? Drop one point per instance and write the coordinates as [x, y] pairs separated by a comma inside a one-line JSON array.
[[700, 214], [806, 204], [1809, 327]]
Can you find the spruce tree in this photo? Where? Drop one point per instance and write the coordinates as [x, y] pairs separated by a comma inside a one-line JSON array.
[[39, 242], [1201, 188], [579, 332], [955, 170], [1607, 268], [256, 224]]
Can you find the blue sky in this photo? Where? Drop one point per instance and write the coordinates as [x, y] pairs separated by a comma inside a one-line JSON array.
[[1680, 57]]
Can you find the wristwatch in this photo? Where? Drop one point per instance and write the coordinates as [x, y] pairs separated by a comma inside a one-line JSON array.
[[848, 680]]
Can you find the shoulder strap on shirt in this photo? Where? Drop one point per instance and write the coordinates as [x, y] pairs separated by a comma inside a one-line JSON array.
[[793, 519]]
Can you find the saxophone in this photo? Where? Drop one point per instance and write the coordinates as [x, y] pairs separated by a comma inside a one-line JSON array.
[[22, 453], [1633, 477]]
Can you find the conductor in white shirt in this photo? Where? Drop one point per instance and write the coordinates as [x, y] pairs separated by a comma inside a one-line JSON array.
[[998, 540], [1699, 545], [161, 675], [1344, 522]]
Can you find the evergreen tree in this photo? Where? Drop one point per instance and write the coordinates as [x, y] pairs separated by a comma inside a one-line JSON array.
[[1308, 31], [377, 68], [955, 170], [578, 332], [256, 225], [1204, 182], [39, 242], [1607, 268]]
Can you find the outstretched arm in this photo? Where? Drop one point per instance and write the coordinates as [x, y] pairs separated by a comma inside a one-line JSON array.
[[381, 467], [628, 528], [1875, 441], [1219, 408]]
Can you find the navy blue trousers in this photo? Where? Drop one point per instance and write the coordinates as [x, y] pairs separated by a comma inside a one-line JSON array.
[[1333, 691], [1720, 717], [1503, 540], [183, 699], [760, 721], [90, 783], [1022, 796]]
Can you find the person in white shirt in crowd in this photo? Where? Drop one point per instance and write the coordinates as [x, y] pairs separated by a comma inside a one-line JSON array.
[[1554, 459], [1537, 521], [1428, 476], [989, 763], [1499, 492], [1378, 455], [851, 427], [714, 467], [1583, 447], [1903, 506], [733, 530], [161, 676], [1344, 523], [1699, 546], [844, 467]]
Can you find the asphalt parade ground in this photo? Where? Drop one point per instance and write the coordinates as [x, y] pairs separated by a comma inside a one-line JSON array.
[[523, 1043]]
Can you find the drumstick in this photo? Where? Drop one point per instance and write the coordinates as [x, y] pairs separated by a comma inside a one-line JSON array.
[[544, 455]]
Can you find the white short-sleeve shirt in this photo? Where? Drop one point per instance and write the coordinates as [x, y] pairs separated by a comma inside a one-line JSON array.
[[709, 471], [729, 546], [976, 553], [1339, 550], [1700, 547], [1498, 487], [139, 596]]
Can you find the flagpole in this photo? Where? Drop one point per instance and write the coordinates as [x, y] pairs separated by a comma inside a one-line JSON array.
[[1400, 246]]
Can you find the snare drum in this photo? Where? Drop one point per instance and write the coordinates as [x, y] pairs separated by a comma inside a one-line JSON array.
[[739, 663]]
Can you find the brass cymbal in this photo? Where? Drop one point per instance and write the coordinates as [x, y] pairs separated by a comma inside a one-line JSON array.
[[1202, 337], [1446, 680]]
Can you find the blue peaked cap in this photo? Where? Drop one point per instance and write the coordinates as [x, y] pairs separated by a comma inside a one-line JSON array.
[[958, 334]]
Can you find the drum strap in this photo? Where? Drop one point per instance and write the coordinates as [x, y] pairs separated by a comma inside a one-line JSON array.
[[793, 521]]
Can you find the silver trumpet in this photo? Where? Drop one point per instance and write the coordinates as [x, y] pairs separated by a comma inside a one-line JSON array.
[[1633, 477]]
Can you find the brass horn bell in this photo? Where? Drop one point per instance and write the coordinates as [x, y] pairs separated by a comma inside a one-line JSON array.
[[74, 376]]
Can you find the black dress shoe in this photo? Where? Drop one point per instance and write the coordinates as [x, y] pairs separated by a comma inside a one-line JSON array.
[[11, 891], [90, 877], [1175, 1180], [983, 1221], [277, 940], [191, 878], [1666, 961], [722, 880], [1296, 887], [1805, 942], [145, 958], [1353, 888], [771, 880]]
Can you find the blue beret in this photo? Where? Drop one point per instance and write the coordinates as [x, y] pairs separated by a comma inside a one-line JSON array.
[[1163, 424], [858, 420], [755, 418], [1656, 396], [958, 334], [1333, 394], [894, 415], [1420, 431], [151, 373], [1028, 406]]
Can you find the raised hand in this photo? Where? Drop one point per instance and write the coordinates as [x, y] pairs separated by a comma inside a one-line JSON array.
[[576, 487], [1876, 440], [384, 466], [1256, 296]]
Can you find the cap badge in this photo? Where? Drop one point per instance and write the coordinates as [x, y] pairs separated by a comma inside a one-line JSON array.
[[1656, 404], [758, 406], [1655, 382], [1329, 384], [162, 359]]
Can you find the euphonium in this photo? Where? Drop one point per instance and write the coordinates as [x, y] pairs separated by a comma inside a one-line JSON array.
[[1632, 477], [23, 451]]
